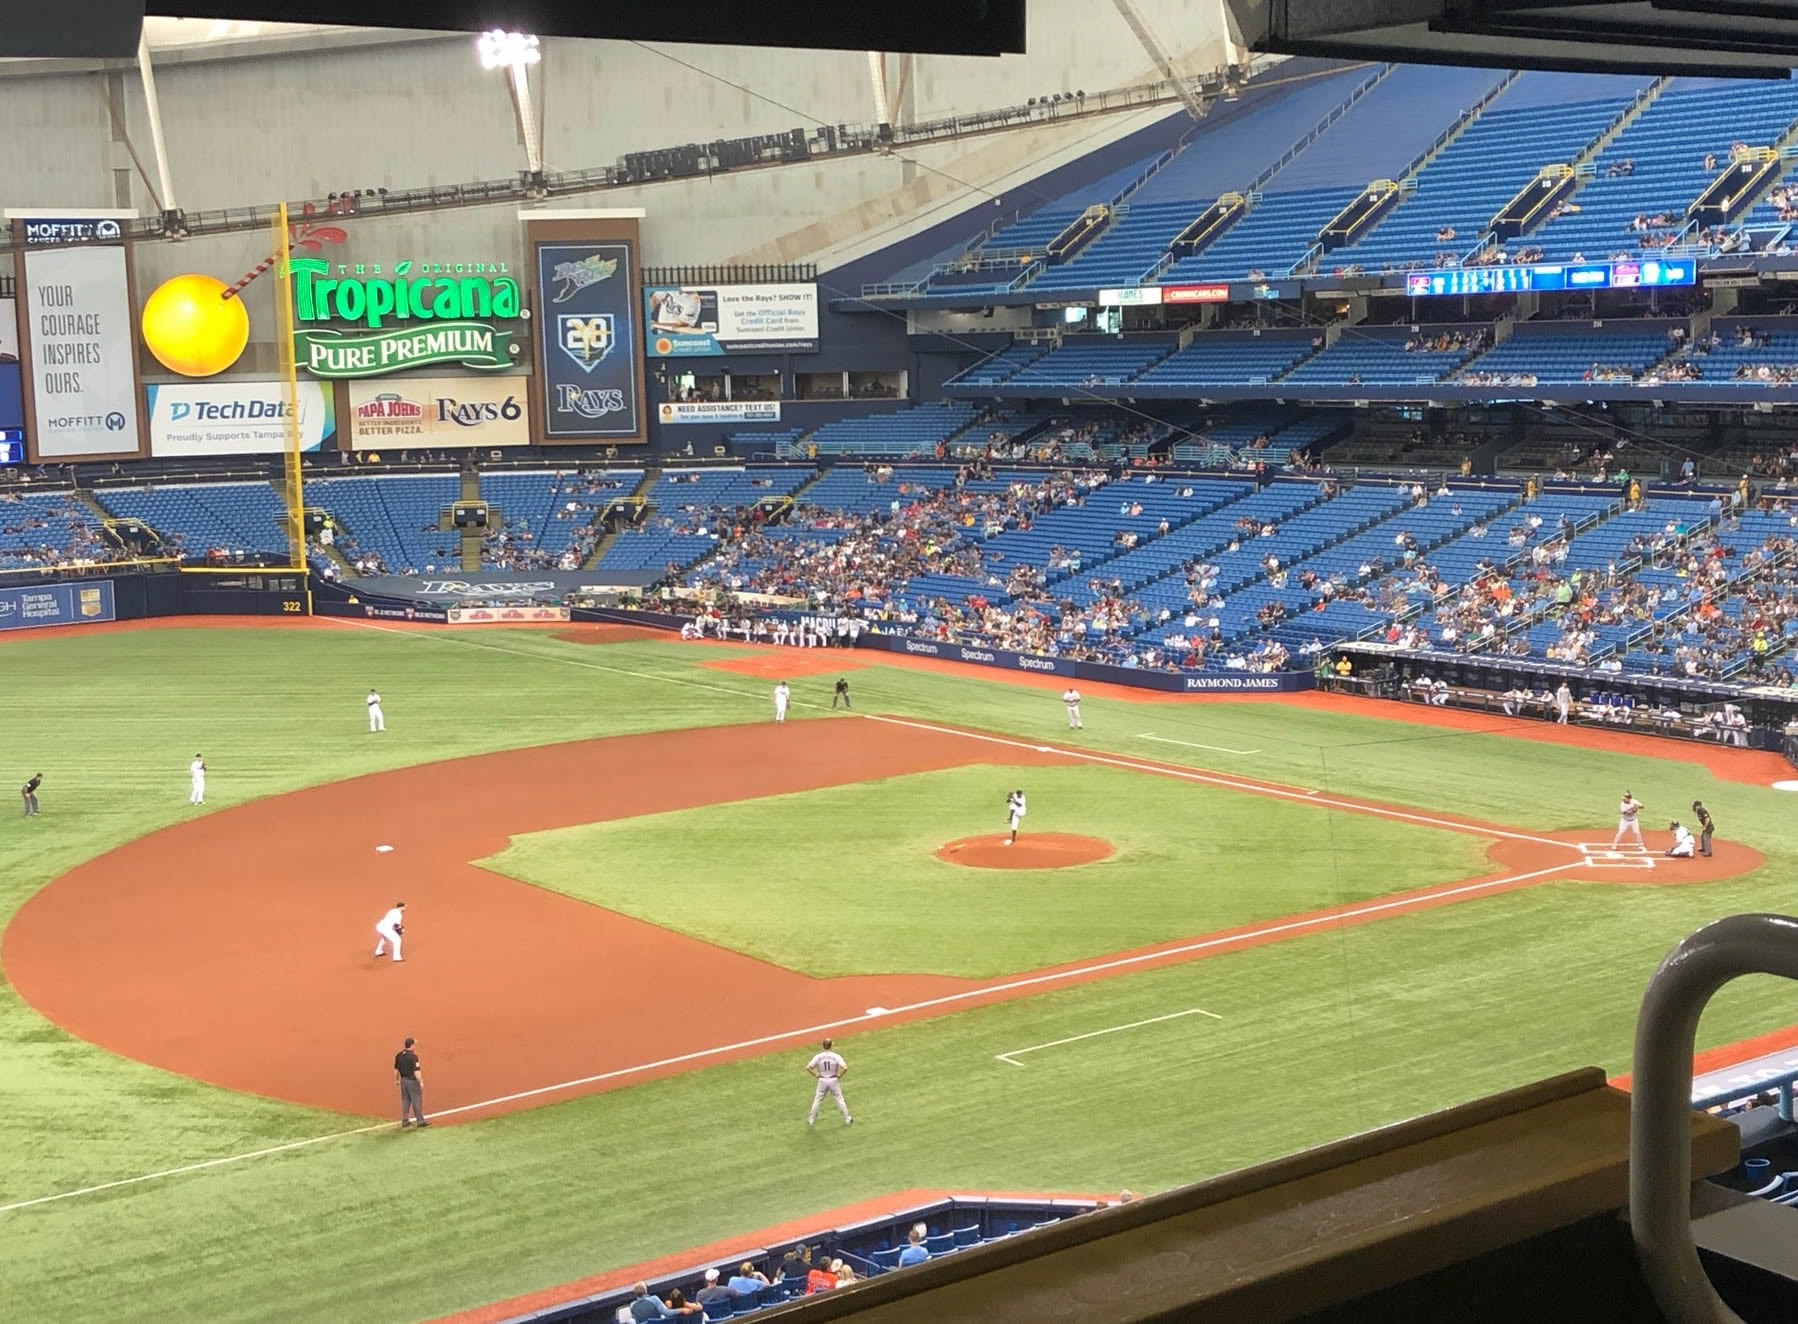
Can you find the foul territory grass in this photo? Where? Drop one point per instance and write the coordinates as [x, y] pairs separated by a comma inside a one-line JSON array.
[[1318, 1037], [846, 881]]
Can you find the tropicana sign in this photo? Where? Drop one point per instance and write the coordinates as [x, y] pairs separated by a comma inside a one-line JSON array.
[[404, 318]]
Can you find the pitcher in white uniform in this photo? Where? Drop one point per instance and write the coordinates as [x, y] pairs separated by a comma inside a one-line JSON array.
[[196, 772], [1014, 814], [377, 721], [389, 928], [829, 1068]]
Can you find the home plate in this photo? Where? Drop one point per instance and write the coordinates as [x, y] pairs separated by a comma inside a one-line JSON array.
[[383, 848]]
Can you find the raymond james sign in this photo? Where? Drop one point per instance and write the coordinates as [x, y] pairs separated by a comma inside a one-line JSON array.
[[366, 321]]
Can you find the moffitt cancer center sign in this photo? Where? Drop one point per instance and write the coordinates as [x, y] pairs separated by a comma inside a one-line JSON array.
[[363, 320]]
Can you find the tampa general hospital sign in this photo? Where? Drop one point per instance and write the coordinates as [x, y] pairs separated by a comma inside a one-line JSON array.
[[363, 320]]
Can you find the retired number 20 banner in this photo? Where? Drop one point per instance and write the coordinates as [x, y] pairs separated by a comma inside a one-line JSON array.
[[587, 326]]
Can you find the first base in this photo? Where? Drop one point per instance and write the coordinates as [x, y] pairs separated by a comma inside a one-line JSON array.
[[1044, 749], [383, 847]]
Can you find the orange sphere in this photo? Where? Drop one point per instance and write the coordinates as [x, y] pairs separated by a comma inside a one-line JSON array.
[[192, 328]]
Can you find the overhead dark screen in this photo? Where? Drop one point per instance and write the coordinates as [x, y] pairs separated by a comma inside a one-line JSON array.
[[954, 27], [72, 29], [1738, 38]]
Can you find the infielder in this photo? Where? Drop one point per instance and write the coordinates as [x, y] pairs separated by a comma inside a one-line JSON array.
[[389, 928], [1071, 697], [28, 792], [781, 696], [1627, 826], [377, 721], [1682, 846], [196, 772], [829, 1068], [1014, 814]]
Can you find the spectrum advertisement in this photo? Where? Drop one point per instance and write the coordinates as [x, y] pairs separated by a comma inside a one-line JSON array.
[[236, 418], [436, 412], [687, 320]]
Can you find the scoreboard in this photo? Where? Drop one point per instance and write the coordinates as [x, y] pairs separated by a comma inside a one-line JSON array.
[[1527, 277]]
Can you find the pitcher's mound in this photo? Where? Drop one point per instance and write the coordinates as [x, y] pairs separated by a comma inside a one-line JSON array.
[[1032, 850]]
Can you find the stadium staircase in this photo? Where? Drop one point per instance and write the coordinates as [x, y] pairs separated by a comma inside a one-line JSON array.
[[473, 537], [639, 494]]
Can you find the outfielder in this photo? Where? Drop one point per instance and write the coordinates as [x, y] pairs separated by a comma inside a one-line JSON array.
[[781, 696], [377, 721], [1627, 826], [1014, 814], [389, 928], [829, 1068], [196, 772], [1071, 697]]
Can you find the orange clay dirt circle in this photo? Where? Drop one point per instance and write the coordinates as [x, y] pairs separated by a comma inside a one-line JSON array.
[[1032, 850]]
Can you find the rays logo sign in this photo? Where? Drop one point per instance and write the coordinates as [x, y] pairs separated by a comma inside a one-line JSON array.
[[589, 348]]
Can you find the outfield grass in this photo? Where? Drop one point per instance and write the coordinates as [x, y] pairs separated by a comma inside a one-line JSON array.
[[846, 881], [1320, 1036]]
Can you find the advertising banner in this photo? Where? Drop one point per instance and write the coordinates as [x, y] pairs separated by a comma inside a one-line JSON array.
[[440, 412], [93, 228], [506, 615], [731, 319], [587, 353], [719, 411], [1134, 296], [236, 418], [55, 604], [369, 319], [1196, 294], [9, 330], [83, 350], [375, 612]]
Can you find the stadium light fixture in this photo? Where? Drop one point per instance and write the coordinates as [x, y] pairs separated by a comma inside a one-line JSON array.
[[516, 52]]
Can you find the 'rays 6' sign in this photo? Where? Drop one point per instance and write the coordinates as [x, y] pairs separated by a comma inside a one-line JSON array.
[[589, 354]]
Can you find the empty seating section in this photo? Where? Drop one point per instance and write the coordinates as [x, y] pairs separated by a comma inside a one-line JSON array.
[[1092, 361], [1570, 354], [1378, 358], [1665, 146], [1033, 232], [1387, 129], [41, 528], [1228, 358], [395, 517], [1466, 184], [913, 431], [1129, 249], [205, 517], [853, 491], [1272, 239], [1002, 366]]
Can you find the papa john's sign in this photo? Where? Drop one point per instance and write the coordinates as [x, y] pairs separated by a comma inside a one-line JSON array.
[[355, 319]]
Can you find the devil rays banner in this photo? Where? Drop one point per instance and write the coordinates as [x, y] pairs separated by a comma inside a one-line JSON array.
[[589, 341]]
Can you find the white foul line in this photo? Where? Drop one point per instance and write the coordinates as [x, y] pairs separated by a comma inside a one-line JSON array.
[[1246, 937], [1217, 779], [1016, 1053], [1193, 744]]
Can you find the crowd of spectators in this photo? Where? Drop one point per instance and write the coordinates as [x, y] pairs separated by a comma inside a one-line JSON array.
[[1467, 342]]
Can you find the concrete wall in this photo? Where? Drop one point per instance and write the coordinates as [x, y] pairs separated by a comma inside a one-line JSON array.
[[298, 124]]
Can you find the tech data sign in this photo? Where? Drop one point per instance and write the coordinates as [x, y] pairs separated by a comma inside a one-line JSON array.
[[364, 320], [236, 418], [440, 412]]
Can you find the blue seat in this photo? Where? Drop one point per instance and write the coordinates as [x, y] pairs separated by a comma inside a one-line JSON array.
[[721, 1309], [749, 1302]]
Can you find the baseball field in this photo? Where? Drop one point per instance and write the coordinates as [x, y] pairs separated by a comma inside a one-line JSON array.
[[1231, 929]]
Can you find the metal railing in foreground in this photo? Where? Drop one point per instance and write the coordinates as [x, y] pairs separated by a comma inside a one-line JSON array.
[[1660, 1156]]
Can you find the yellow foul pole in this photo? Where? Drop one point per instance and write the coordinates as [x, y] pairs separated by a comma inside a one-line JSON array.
[[292, 489]]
